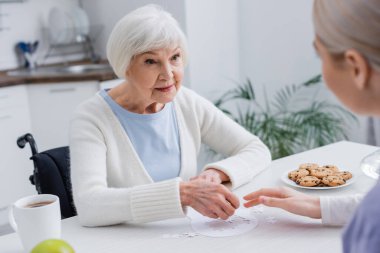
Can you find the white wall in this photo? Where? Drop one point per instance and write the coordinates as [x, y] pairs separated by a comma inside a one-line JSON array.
[[24, 21], [276, 42], [213, 35]]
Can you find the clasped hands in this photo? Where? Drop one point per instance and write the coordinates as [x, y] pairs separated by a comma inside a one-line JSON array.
[[206, 194]]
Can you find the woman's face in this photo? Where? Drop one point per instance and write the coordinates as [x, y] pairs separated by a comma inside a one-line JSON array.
[[156, 76], [339, 79]]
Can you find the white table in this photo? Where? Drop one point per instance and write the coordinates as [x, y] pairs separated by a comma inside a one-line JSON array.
[[290, 233]]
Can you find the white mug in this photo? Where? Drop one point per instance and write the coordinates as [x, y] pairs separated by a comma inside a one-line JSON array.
[[36, 218]]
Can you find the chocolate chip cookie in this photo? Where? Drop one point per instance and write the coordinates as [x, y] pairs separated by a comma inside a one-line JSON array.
[[308, 166], [308, 181], [333, 168], [295, 174], [333, 180], [320, 172], [346, 175]]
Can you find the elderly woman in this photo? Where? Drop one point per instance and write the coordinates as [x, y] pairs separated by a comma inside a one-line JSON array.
[[348, 43], [134, 147]]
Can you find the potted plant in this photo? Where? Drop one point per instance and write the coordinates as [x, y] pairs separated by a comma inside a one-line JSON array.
[[292, 121]]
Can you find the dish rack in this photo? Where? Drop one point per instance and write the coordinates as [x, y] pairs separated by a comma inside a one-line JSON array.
[[68, 32], [75, 44]]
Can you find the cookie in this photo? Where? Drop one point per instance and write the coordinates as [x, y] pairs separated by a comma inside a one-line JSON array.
[[320, 172], [308, 166], [346, 175], [308, 181], [333, 168], [333, 180], [295, 174], [303, 173]]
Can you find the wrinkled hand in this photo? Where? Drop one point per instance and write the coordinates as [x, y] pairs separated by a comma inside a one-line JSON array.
[[210, 199], [287, 199], [213, 176]]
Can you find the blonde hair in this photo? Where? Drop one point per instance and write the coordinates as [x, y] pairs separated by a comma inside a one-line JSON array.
[[349, 24], [144, 29]]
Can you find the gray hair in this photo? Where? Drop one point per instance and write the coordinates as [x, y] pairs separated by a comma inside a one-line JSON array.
[[349, 24], [144, 29]]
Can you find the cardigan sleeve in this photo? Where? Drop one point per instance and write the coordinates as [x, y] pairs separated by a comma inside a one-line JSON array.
[[336, 211], [246, 154], [99, 204]]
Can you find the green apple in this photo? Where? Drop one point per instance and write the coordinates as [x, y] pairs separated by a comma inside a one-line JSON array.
[[53, 246]]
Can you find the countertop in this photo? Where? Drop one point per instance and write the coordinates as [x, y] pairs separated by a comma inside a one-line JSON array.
[[102, 75]]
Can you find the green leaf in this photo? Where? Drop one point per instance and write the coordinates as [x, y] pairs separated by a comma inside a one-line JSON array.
[[284, 127], [314, 80]]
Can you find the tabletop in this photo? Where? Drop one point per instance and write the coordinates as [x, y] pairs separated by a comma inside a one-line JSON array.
[[277, 230]]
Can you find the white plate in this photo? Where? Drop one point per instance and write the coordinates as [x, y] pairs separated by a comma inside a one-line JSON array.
[[81, 22], [289, 182], [61, 26]]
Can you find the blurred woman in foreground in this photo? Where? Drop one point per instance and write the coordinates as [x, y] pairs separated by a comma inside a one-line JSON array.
[[347, 39]]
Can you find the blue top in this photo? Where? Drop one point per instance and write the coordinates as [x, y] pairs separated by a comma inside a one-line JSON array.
[[362, 234], [155, 138]]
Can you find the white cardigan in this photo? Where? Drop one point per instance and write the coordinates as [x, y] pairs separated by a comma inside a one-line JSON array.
[[110, 184]]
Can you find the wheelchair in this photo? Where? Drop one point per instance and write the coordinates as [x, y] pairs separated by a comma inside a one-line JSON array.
[[51, 174]]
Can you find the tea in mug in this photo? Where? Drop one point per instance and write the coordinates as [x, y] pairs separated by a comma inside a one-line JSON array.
[[38, 204]]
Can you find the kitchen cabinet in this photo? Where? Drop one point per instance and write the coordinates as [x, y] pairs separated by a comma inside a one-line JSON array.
[[15, 167], [51, 108]]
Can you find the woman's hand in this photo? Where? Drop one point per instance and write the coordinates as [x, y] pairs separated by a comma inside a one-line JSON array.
[[213, 176], [210, 199], [287, 199]]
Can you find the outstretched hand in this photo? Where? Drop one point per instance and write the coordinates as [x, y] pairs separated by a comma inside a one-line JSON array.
[[287, 199], [208, 198]]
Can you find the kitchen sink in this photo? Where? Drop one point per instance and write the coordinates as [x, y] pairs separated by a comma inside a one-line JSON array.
[[85, 68], [61, 70]]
